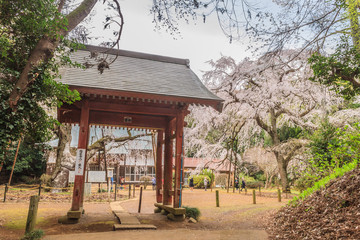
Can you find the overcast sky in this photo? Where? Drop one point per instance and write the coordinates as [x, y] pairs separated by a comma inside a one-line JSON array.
[[198, 42]]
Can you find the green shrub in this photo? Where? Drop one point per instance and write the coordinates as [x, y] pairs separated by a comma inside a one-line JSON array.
[[45, 180], [255, 184], [199, 180], [338, 172], [260, 177], [305, 182], [208, 173], [246, 178], [331, 149], [29, 180], [34, 235], [192, 212]]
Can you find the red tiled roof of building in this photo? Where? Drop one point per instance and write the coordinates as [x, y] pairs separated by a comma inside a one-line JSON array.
[[214, 164]]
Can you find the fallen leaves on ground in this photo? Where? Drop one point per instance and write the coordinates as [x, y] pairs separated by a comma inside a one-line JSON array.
[[330, 213]]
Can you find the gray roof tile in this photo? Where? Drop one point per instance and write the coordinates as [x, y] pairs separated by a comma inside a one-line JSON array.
[[138, 72]]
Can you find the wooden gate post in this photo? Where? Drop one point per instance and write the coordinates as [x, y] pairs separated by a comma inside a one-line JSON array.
[[31, 219], [178, 163], [254, 197], [5, 191], [80, 165], [159, 169], [279, 195], [167, 198]]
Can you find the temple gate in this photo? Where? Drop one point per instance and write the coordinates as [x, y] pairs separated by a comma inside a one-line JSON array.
[[140, 91]]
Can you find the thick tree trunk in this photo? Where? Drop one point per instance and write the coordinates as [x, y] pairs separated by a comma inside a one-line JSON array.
[[64, 159], [63, 150], [282, 165]]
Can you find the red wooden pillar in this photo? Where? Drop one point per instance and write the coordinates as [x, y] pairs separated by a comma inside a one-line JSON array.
[[178, 163], [159, 171], [167, 198], [80, 164]]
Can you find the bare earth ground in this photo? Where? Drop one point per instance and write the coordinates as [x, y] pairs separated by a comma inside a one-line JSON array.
[[235, 217]]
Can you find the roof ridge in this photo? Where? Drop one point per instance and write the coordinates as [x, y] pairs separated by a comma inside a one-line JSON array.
[[139, 55]]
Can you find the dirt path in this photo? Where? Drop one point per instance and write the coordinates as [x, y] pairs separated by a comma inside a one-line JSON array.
[[178, 234], [236, 211], [236, 217], [97, 218]]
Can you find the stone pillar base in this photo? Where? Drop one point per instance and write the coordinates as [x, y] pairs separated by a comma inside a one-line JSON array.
[[66, 220], [176, 218]]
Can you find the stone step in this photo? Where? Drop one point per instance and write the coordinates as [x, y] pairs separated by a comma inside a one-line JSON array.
[[116, 207], [126, 218], [129, 220], [133, 227]]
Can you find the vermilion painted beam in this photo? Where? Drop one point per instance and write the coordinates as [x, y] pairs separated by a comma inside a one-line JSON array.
[[115, 119], [178, 163], [121, 119], [159, 170], [167, 198], [80, 164], [69, 116], [135, 109], [216, 104]]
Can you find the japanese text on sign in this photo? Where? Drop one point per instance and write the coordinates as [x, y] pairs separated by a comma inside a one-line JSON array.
[[80, 162]]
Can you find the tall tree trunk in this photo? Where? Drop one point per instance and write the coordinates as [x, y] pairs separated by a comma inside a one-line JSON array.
[[63, 149], [282, 165], [228, 184]]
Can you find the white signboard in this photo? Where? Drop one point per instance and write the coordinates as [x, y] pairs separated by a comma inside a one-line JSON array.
[[80, 162], [71, 176], [96, 176], [91, 176], [110, 173]]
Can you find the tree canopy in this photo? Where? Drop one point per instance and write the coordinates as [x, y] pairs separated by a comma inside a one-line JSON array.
[[23, 24]]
